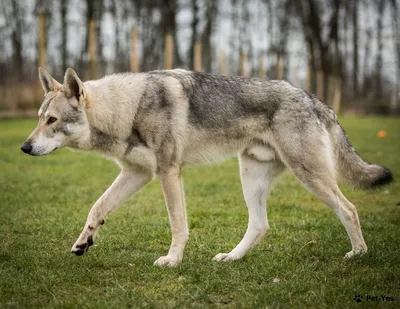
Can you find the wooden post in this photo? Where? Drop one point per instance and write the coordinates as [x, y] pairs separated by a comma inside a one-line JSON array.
[[92, 48], [169, 51], [222, 62], [320, 85], [279, 68], [309, 79], [261, 70], [337, 98], [134, 61], [42, 40], [197, 57], [243, 58]]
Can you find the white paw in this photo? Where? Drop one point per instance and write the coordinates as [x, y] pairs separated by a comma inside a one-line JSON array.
[[354, 253], [169, 261], [226, 257]]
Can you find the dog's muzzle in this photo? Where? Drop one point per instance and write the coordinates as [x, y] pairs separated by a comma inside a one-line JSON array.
[[26, 147]]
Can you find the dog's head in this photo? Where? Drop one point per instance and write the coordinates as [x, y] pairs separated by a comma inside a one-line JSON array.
[[62, 117]]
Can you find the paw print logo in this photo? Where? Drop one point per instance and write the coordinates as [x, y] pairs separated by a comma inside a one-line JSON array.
[[358, 298]]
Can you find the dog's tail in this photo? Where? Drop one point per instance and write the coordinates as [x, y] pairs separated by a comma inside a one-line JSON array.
[[353, 169]]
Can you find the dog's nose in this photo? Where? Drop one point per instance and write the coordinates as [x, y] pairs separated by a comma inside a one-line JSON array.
[[26, 147]]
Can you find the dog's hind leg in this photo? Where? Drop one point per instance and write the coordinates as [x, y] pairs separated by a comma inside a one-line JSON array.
[[311, 160], [328, 192], [127, 183], [256, 177]]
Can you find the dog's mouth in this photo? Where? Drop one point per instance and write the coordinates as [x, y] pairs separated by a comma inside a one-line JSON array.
[[52, 150], [35, 154]]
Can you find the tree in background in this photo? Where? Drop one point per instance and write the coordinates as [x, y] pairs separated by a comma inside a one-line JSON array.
[[380, 5], [334, 33], [94, 12], [169, 9], [13, 15], [194, 27], [355, 47], [211, 13], [64, 29], [395, 9]]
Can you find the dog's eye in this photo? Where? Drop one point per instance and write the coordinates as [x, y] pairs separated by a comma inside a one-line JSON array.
[[51, 120]]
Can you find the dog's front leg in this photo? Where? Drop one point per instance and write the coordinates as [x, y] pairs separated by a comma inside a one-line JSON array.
[[127, 183], [172, 186]]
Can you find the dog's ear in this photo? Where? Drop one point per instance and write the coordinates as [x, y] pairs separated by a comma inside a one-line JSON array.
[[48, 82], [73, 86]]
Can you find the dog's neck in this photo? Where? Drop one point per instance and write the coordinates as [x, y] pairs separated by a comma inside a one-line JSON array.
[[103, 112]]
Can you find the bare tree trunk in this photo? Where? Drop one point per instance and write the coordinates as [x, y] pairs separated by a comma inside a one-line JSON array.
[[92, 47], [285, 10], [346, 18], [311, 30], [396, 43], [169, 51], [211, 13], [94, 11], [379, 41], [243, 60], [42, 41], [270, 29], [195, 22], [355, 48], [198, 67], [16, 40], [89, 17], [336, 57], [153, 45], [170, 9], [114, 13], [64, 28], [98, 17], [134, 61], [367, 55]]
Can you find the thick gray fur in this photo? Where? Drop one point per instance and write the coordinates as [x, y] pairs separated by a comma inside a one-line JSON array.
[[156, 123]]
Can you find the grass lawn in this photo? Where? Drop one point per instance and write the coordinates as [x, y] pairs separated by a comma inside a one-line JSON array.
[[44, 202]]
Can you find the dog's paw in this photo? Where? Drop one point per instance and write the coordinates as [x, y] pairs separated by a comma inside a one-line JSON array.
[[167, 261], [354, 253], [225, 257], [80, 248]]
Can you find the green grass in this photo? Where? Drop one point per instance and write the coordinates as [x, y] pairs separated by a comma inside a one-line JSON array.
[[44, 202]]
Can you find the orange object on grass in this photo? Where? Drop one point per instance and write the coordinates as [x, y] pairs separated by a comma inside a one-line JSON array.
[[382, 134]]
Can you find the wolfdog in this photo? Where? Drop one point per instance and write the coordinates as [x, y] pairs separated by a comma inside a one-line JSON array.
[[155, 123]]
